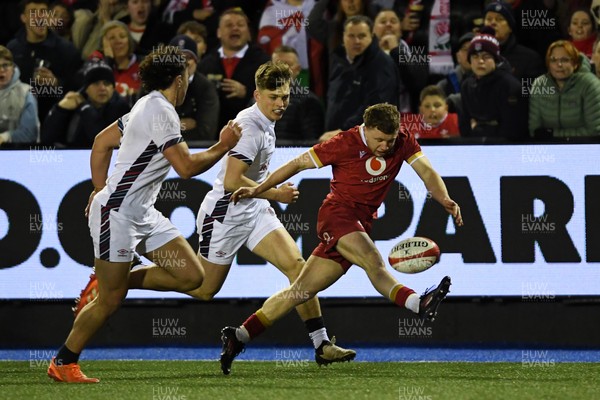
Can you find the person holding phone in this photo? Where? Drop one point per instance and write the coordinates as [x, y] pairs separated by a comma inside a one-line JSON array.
[[79, 116]]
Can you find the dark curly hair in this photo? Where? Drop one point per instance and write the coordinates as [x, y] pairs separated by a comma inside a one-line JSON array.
[[159, 69], [384, 117]]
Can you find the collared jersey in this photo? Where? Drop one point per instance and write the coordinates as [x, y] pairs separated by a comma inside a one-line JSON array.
[[255, 148], [360, 177]]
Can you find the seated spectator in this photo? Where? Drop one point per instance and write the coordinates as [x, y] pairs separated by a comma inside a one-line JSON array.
[[198, 33], [47, 61], [525, 63], [117, 49], [80, 116], [565, 101], [18, 108], [433, 121], [361, 74], [232, 66], [492, 103], [583, 31], [199, 112], [596, 58], [304, 118], [87, 26]]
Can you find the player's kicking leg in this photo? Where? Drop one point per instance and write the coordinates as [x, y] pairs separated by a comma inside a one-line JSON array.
[[358, 248], [278, 248], [318, 274]]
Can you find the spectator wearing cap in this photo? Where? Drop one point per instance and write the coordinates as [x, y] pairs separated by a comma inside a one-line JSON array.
[[492, 104], [47, 62], [80, 116], [231, 67], [564, 102], [18, 108], [199, 112], [525, 63]]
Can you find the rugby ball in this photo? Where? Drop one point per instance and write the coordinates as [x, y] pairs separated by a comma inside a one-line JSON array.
[[413, 255]]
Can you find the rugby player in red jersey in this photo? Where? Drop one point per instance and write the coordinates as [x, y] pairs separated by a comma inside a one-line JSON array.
[[365, 161]]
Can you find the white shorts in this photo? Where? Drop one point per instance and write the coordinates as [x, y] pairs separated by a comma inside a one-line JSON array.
[[220, 242], [119, 236]]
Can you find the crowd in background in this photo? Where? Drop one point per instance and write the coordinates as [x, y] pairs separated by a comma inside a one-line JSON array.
[[515, 70]]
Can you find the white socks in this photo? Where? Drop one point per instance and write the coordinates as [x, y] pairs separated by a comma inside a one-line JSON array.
[[242, 334], [412, 302], [318, 337]]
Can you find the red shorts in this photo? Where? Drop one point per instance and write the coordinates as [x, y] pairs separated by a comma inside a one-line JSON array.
[[336, 220]]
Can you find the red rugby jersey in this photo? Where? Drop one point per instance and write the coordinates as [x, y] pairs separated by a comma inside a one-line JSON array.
[[360, 177]]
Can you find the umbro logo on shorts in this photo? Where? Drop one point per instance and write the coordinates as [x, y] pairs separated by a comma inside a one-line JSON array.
[[220, 253], [123, 252]]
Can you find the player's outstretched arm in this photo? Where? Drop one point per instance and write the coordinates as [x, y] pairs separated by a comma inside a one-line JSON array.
[[436, 186], [187, 165], [281, 174]]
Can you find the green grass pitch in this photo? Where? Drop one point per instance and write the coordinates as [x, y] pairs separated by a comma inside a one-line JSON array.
[[187, 380]]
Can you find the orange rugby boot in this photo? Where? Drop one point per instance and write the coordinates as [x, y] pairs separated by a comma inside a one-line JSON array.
[[70, 373]]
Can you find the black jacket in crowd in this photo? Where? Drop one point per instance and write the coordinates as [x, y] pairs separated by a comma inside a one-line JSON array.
[[212, 67], [79, 127], [58, 54], [304, 119], [496, 103], [525, 63], [202, 104], [372, 78]]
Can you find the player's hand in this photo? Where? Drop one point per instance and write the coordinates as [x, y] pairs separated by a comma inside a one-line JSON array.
[[230, 135], [287, 193], [242, 193], [453, 209]]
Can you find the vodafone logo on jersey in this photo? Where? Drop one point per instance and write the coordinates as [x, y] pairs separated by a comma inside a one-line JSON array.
[[375, 165]]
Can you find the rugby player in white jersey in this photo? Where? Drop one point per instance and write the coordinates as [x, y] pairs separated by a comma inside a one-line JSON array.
[[121, 212], [224, 228]]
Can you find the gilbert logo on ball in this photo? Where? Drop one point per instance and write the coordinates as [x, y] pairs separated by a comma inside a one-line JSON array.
[[413, 255]]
